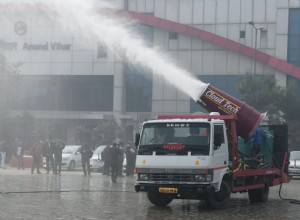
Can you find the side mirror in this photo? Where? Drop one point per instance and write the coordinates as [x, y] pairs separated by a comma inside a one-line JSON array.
[[137, 139], [217, 141]]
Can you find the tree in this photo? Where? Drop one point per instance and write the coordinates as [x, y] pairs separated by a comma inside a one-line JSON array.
[[105, 132], [263, 93], [281, 105]]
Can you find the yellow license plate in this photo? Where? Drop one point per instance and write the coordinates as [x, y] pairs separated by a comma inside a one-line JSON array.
[[167, 190]]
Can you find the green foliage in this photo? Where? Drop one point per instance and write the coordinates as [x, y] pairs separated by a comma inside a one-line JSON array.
[[105, 132], [290, 105], [263, 93]]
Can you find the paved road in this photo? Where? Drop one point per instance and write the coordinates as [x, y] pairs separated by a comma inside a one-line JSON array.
[[73, 196]]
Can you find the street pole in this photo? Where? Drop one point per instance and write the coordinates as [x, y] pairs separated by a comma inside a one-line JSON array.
[[255, 43], [255, 48]]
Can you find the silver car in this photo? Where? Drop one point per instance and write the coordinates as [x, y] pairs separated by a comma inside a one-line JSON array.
[[71, 157], [97, 162], [294, 166]]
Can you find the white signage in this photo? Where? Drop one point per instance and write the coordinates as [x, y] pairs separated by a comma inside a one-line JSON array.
[[58, 46]]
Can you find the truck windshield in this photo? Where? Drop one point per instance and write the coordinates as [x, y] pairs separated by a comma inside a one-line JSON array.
[[178, 138]]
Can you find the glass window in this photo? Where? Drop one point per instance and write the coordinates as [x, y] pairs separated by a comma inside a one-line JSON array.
[[64, 93], [175, 138], [242, 34], [139, 81], [294, 28], [138, 90], [173, 36], [294, 37], [263, 33], [101, 50], [218, 130], [294, 41], [294, 15]]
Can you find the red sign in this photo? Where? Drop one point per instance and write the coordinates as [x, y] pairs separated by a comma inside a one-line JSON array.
[[173, 147]]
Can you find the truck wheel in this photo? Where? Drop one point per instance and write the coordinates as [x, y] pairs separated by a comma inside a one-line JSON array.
[[159, 199], [219, 200], [259, 195]]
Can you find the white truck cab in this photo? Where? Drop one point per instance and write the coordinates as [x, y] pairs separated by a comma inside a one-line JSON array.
[[182, 158]]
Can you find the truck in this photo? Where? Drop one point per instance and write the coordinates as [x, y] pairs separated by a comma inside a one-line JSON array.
[[197, 156]]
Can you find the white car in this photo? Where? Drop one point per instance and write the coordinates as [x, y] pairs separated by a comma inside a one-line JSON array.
[[97, 162], [294, 166], [71, 157]]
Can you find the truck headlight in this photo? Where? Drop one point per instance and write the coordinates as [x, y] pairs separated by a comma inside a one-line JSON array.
[[203, 178], [143, 176]]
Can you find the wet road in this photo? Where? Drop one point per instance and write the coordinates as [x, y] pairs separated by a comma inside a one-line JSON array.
[[73, 196]]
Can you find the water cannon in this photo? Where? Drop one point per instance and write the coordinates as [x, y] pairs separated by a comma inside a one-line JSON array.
[[215, 100]]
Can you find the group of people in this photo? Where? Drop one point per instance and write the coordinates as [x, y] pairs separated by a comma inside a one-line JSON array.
[[113, 157], [52, 151]]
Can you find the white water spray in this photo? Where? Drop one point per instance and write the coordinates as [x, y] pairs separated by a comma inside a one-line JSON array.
[[89, 18]]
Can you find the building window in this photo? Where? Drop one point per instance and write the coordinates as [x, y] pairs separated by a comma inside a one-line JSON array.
[[173, 35], [263, 33], [138, 90], [242, 34], [294, 37], [64, 93], [101, 50]]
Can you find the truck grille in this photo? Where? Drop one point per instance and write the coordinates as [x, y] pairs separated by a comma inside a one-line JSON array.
[[171, 177]]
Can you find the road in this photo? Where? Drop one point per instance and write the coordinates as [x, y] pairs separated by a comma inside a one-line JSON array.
[[73, 196]]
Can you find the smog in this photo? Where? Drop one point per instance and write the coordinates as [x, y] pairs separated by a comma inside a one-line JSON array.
[[92, 20]]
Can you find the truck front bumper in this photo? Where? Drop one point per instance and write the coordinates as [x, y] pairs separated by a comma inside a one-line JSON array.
[[181, 191]]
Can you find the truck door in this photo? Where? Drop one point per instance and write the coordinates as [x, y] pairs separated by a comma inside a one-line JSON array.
[[220, 146]]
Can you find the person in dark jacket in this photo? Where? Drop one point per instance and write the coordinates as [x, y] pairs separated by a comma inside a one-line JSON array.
[[86, 154], [48, 151], [130, 160], [58, 155], [20, 154], [121, 159], [114, 157], [105, 157]]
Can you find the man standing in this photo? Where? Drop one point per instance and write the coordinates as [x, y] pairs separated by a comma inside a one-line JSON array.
[[58, 155], [48, 151], [114, 157], [105, 157], [257, 141], [36, 153], [130, 159], [20, 154], [121, 159], [3, 150], [86, 154]]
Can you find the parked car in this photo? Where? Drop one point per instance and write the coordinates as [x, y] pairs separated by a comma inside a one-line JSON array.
[[294, 166], [71, 157], [97, 162]]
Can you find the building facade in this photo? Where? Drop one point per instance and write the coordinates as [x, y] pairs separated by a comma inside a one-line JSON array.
[[67, 79]]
